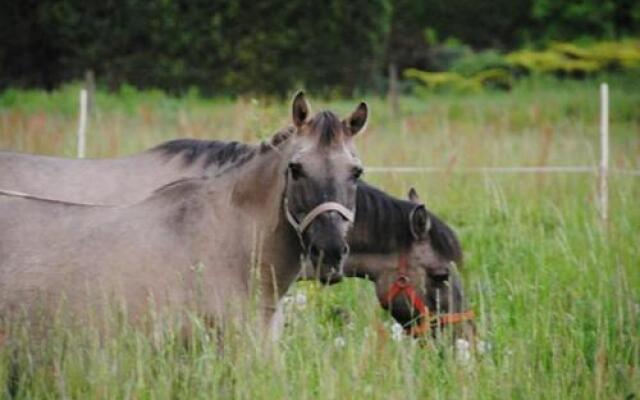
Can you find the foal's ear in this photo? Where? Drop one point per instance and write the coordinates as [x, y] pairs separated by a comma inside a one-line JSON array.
[[413, 196], [357, 121], [420, 222], [300, 109]]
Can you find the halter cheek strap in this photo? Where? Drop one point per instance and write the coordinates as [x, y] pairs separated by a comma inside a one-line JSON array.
[[403, 285], [314, 213]]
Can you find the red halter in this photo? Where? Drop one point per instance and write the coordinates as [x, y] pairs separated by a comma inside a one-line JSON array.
[[403, 285]]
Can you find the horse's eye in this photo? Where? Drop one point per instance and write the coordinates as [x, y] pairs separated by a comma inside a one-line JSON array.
[[296, 170], [356, 173]]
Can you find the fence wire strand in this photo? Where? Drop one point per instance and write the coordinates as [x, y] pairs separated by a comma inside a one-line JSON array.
[[571, 169]]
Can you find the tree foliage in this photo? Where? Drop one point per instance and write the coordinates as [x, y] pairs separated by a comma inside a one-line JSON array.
[[269, 47], [228, 46]]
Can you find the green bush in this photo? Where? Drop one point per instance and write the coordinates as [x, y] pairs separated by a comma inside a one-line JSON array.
[[442, 80], [624, 54], [550, 61], [491, 70], [474, 63], [573, 59]]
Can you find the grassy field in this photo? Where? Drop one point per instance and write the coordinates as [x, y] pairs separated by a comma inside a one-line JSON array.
[[557, 296]]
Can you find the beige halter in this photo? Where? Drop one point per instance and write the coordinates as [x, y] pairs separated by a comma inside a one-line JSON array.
[[300, 227]]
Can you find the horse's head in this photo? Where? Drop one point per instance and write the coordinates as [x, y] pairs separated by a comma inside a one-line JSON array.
[[321, 183], [426, 275]]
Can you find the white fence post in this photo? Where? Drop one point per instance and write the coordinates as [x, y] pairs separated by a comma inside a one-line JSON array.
[[603, 187], [82, 123]]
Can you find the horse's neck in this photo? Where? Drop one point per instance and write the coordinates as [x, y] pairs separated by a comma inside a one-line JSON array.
[[258, 185], [257, 190]]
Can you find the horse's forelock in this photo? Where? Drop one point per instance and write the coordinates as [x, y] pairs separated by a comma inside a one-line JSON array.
[[328, 127]]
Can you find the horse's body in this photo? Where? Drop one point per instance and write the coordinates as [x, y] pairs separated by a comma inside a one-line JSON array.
[[155, 250], [198, 235]]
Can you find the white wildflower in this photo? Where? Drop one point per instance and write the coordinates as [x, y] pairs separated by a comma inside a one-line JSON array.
[[483, 347], [397, 332], [463, 351], [301, 300], [287, 300], [339, 342]]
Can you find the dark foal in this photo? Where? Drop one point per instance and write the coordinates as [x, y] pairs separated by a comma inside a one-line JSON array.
[[411, 255]]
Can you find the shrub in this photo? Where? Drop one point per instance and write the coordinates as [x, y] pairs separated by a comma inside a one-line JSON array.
[[491, 70]]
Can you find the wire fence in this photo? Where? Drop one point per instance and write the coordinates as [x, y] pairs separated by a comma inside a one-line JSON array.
[[567, 169]]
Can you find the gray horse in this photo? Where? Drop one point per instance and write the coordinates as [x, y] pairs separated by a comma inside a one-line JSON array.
[[271, 204]]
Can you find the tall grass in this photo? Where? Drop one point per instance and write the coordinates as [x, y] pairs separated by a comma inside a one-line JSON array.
[[557, 296]]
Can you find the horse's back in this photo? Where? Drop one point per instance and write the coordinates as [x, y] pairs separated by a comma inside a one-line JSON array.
[[100, 181]]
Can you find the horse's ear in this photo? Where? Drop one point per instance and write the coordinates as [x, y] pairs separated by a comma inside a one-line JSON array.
[[420, 222], [300, 109], [413, 195], [357, 121]]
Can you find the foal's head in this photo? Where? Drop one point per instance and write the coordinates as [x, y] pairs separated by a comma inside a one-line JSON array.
[[321, 182], [429, 264]]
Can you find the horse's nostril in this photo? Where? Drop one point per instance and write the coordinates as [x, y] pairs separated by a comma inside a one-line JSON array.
[[345, 250], [440, 277]]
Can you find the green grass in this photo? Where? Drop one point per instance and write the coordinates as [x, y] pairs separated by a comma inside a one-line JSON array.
[[557, 297]]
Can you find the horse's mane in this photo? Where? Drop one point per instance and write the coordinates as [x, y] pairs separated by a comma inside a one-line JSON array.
[[381, 219], [384, 220], [217, 152], [234, 154], [211, 151]]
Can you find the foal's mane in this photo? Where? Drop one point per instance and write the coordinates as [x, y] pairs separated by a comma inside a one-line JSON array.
[[384, 220], [380, 219]]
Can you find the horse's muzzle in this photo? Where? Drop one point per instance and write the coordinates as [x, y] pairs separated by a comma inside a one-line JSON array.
[[329, 261]]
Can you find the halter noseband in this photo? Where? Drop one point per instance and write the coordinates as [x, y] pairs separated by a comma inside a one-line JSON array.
[[403, 284], [300, 227]]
